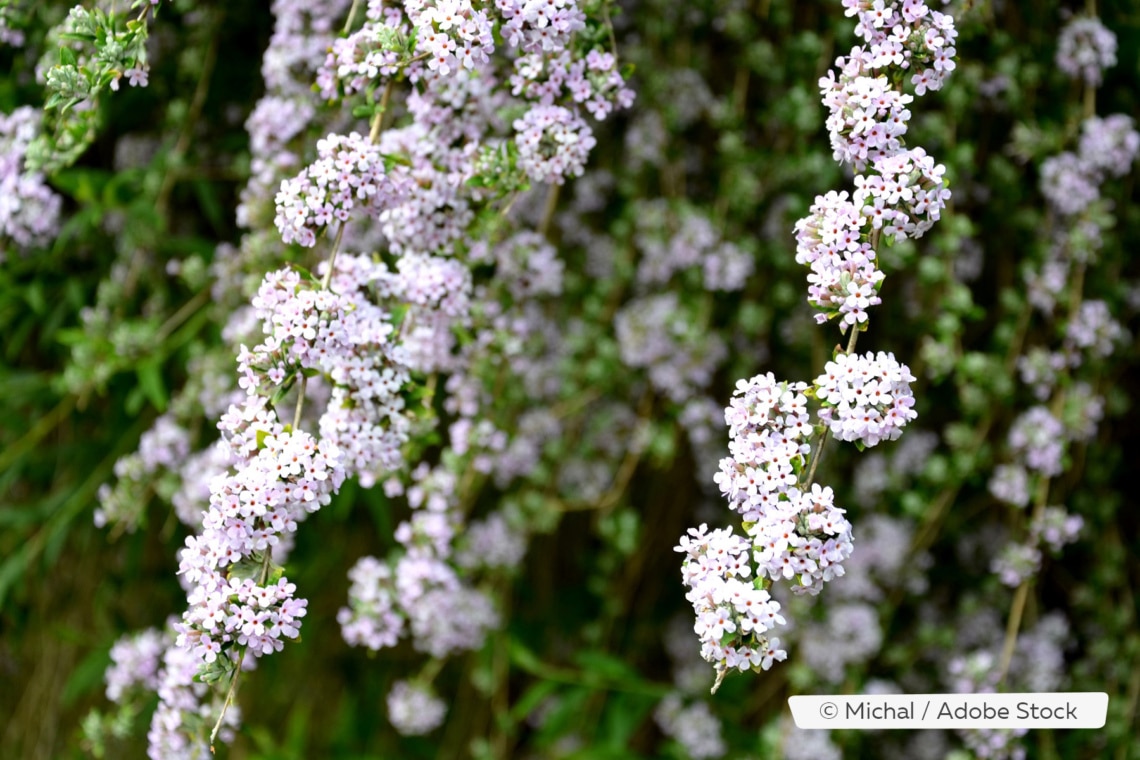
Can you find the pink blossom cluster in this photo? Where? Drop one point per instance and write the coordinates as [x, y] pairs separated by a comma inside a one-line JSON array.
[[185, 702], [231, 599], [733, 616], [451, 33], [904, 36], [554, 143], [1108, 147], [797, 533], [866, 398], [348, 172], [845, 276], [238, 601], [364, 56], [674, 240], [1085, 49], [904, 192], [414, 709], [29, 209], [540, 25], [147, 662], [593, 82], [661, 334], [418, 591]]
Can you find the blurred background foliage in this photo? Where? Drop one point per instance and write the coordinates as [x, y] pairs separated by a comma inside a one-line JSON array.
[[729, 121]]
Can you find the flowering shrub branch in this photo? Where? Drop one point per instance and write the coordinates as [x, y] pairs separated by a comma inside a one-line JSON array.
[[794, 529]]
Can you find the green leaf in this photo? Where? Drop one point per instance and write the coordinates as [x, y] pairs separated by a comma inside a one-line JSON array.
[[87, 677], [150, 380]]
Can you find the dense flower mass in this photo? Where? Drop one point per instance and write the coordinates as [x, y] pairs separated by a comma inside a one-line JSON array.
[[349, 172], [490, 327], [29, 209], [733, 616], [1085, 49], [866, 398], [414, 709], [553, 143]]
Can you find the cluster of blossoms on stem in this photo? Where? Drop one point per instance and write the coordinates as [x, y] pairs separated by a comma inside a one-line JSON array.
[[553, 142], [232, 599], [148, 663], [349, 171], [865, 398], [332, 342], [238, 599], [733, 616], [904, 193], [1108, 147], [797, 533], [674, 241], [418, 591], [1085, 49], [660, 334], [414, 709], [794, 530], [29, 209]]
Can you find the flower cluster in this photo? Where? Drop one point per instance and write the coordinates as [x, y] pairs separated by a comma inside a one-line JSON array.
[[553, 143], [540, 25], [797, 534], [905, 193], [868, 114], [866, 398], [674, 241], [451, 33], [844, 277], [657, 332], [414, 709], [232, 600], [29, 209], [593, 82], [348, 172], [733, 616], [1071, 181], [418, 591], [147, 662], [1085, 49]]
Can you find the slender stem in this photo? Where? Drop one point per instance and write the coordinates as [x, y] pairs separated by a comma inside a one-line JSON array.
[[229, 699], [300, 403], [332, 256], [42, 427], [823, 436], [818, 449], [262, 577], [548, 210], [1011, 629], [180, 316], [378, 119], [351, 16]]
